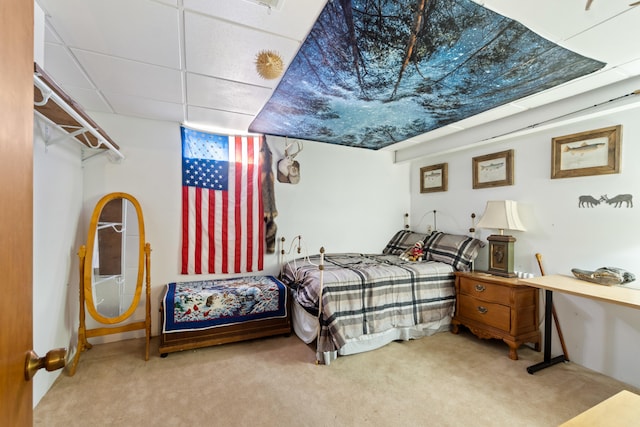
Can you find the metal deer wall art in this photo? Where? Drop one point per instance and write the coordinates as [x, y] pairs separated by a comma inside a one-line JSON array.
[[617, 201], [288, 168]]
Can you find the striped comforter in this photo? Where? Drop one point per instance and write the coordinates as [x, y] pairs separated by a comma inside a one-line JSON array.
[[367, 294]]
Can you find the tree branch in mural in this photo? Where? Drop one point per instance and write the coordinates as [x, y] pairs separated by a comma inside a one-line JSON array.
[[351, 37], [411, 44], [617, 201], [288, 168]]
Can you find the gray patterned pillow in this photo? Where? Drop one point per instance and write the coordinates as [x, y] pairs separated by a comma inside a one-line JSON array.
[[456, 250], [403, 240]]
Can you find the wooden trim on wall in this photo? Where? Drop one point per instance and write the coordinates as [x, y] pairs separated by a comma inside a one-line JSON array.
[[16, 215]]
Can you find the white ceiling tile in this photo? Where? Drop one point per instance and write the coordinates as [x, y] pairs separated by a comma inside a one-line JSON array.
[[557, 20], [145, 108], [571, 88], [203, 118], [50, 36], [631, 68], [293, 20], [490, 115], [438, 133], [612, 41], [222, 49], [173, 3], [89, 100], [60, 65], [134, 78], [419, 139], [121, 28], [225, 95]]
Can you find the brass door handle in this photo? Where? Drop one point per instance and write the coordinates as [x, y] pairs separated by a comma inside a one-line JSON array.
[[482, 310], [55, 359], [480, 288]]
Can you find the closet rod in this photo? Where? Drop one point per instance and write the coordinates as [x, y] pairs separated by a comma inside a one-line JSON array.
[[50, 91]]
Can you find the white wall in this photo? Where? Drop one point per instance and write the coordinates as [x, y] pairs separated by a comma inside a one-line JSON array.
[[601, 336], [347, 199], [57, 202]]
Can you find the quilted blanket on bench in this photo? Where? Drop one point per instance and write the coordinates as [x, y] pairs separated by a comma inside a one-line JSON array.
[[191, 306]]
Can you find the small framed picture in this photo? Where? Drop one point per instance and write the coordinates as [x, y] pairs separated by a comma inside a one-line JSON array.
[[433, 178], [595, 152], [493, 170]]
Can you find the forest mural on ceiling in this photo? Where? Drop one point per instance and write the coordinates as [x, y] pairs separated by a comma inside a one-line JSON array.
[[375, 72]]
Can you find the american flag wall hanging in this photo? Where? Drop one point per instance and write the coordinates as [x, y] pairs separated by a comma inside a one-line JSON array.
[[222, 213]]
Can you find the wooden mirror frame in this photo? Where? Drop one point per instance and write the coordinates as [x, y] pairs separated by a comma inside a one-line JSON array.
[[88, 279], [85, 255]]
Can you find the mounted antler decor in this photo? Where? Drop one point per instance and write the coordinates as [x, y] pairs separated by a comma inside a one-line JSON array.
[[288, 168]]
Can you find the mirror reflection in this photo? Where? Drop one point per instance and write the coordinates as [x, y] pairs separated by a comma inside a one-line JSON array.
[[115, 258]]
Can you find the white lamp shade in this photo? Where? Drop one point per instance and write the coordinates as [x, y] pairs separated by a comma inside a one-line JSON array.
[[501, 215]]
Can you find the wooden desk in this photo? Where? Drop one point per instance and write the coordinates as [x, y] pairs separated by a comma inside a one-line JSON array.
[[621, 410], [570, 285]]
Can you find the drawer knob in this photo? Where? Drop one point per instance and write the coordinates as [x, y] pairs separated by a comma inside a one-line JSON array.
[[482, 310], [480, 288]]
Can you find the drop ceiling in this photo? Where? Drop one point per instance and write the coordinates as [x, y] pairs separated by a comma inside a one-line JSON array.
[[192, 61]]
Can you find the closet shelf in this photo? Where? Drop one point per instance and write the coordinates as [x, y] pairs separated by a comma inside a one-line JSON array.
[[67, 115]]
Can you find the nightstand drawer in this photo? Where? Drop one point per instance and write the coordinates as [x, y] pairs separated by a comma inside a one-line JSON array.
[[485, 291], [497, 307], [487, 313]]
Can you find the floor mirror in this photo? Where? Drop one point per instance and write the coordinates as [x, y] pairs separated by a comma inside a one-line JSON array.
[[113, 265]]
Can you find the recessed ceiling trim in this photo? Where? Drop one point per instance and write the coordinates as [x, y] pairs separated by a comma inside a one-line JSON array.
[[555, 113]]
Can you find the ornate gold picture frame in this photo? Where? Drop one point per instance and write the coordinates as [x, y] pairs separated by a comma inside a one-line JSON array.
[[493, 170], [594, 152], [434, 178]]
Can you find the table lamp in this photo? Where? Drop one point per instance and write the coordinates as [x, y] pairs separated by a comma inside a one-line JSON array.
[[501, 215]]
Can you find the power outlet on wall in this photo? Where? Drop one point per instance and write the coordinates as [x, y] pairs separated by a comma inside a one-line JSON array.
[[429, 229]]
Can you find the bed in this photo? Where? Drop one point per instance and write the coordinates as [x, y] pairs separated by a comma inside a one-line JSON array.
[[370, 300], [211, 312]]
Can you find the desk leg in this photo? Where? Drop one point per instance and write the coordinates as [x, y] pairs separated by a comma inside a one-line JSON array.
[[548, 361]]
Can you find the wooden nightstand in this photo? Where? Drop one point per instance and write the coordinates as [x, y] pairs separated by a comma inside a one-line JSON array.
[[497, 307]]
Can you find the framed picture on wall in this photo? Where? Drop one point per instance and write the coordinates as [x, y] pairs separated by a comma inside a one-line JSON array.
[[493, 170], [595, 152], [434, 178]]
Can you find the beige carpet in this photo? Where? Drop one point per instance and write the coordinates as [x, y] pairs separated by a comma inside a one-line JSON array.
[[443, 380]]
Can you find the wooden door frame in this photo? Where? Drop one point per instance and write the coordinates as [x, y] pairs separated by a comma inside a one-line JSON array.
[[16, 213]]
